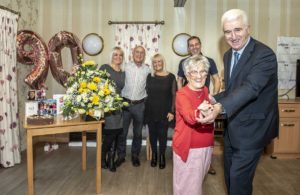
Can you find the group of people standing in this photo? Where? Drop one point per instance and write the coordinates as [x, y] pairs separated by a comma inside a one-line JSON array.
[[249, 102], [151, 98]]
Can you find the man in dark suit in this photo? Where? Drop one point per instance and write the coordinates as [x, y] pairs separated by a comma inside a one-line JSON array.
[[249, 100]]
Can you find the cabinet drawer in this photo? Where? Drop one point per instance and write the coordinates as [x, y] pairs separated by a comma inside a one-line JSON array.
[[289, 136], [289, 110]]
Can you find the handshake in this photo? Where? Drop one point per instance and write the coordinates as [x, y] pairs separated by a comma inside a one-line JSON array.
[[207, 111]]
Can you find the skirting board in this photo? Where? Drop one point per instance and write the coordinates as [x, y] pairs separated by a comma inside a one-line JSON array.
[[93, 143]]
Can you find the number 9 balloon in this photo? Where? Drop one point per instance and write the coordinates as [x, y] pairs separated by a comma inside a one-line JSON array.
[[32, 50]]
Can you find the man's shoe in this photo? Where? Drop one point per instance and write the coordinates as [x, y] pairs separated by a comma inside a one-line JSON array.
[[135, 161], [211, 170], [119, 161]]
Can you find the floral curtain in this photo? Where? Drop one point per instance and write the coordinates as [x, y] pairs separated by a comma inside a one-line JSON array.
[[127, 36], [9, 125]]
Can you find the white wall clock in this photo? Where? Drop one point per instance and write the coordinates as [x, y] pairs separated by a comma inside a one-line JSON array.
[[179, 44], [92, 44]]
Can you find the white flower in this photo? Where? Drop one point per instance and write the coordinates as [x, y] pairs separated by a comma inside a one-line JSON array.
[[100, 93], [81, 111], [78, 98], [108, 99], [112, 89]]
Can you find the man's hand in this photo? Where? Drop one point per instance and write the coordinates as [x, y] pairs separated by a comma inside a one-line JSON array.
[[170, 116], [212, 100]]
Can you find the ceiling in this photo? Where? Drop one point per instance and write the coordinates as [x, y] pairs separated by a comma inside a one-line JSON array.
[[179, 3]]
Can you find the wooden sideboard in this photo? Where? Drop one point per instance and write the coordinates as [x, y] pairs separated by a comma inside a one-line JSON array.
[[287, 144]]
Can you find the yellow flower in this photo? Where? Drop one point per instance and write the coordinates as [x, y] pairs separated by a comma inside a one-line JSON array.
[[96, 79], [95, 99], [88, 63], [80, 90], [106, 91], [92, 86], [90, 112], [83, 84]]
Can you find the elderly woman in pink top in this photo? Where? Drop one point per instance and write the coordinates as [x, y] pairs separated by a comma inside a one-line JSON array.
[[192, 141]]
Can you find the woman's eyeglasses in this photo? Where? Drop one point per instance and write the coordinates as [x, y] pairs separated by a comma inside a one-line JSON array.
[[195, 73]]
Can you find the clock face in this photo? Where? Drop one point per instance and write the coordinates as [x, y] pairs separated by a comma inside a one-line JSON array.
[[92, 44], [179, 44]]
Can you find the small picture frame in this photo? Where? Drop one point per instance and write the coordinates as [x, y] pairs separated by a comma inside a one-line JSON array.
[[59, 102], [31, 108], [31, 95], [47, 107], [40, 94]]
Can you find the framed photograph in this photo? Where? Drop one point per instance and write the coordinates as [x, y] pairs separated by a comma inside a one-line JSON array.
[[47, 107], [59, 102], [31, 108], [31, 95], [40, 94]]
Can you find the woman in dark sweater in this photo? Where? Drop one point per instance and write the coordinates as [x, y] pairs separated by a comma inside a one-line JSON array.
[[113, 121], [160, 107]]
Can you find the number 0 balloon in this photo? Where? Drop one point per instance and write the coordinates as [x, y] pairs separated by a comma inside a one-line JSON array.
[[55, 45]]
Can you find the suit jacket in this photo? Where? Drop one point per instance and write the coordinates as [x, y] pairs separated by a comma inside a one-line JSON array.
[[250, 98]]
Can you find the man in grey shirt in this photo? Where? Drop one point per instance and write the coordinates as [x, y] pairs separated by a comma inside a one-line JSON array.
[[134, 93]]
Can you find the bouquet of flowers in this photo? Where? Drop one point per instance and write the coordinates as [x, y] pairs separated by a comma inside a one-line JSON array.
[[91, 91]]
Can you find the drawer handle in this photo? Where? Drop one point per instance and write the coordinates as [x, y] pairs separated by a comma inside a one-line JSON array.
[[288, 125], [288, 110]]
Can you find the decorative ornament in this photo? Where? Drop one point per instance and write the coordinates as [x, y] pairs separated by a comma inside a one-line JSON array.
[[32, 50], [56, 44], [179, 44], [92, 44]]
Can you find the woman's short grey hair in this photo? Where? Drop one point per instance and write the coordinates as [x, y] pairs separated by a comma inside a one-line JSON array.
[[194, 62], [234, 14]]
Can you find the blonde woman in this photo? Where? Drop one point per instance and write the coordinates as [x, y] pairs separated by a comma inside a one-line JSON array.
[[113, 126], [160, 107]]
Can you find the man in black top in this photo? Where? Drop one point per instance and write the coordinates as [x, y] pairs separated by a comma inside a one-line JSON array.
[[194, 47]]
